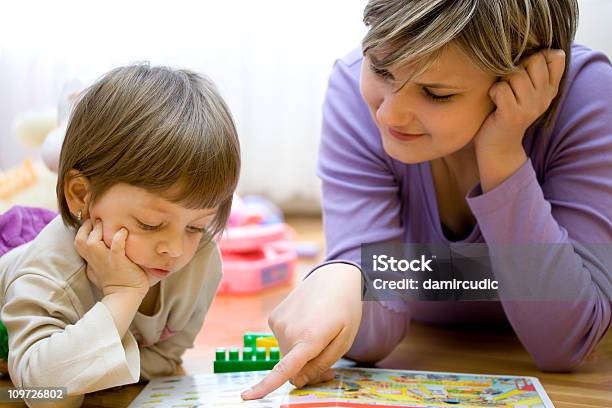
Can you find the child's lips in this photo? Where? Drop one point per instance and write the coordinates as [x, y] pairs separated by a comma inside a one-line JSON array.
[[160, 273]]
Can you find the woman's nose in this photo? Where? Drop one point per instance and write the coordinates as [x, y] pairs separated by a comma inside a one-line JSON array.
[[395, 111]]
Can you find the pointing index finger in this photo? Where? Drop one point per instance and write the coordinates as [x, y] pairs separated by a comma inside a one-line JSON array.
[[287, 367]]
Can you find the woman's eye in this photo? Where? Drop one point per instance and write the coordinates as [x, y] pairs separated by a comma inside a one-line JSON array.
[[437, 98]]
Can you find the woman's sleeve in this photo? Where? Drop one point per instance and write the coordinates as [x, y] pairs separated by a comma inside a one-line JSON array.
[[51, 346], [361, 202], [550, 241]]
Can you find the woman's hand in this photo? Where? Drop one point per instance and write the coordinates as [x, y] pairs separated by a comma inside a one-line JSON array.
[[520, 99], [315, 326], [109, 269]]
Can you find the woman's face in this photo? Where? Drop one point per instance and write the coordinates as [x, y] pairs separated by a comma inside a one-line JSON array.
[[434, 114]]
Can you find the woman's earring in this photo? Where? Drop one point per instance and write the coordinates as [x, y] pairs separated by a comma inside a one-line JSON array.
[[80, 216]]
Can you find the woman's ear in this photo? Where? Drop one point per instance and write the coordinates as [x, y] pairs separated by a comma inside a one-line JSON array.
[[77, 192]]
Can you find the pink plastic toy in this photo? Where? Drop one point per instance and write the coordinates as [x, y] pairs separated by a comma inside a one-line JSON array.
[[256, 257]]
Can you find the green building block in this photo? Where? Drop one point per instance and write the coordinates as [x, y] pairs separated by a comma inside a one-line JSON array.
[[253, 358], [3, 342], [250, 360], [250, 338]]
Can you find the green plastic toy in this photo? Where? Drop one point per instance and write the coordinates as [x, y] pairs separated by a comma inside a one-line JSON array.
[[3, 342], [252, 358]]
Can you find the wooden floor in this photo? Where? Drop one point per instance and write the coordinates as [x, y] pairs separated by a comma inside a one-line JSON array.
[[431, 348]]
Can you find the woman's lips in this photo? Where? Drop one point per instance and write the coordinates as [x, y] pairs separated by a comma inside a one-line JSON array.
[[404, 136], [159, 273]]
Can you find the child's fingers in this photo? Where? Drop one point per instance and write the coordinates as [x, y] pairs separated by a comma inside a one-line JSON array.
[[82, 234], [286, 368], [96, 233], [118, 244]]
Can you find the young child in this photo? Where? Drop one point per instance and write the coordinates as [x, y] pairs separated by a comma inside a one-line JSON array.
[[116, 288]]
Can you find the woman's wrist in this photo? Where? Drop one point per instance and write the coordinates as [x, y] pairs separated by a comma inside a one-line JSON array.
[[338, 274], [333, 269], [495, 167], [333, 262]]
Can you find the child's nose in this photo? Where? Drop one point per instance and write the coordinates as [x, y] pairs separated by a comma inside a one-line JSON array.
[[171, 246]]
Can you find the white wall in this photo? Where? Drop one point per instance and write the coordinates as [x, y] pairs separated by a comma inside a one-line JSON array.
[[595, 25], [270, 59]]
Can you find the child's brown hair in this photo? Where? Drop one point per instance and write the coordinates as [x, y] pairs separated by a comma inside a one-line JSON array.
[[164, 130]]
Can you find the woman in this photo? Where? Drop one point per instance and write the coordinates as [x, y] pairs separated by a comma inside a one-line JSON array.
[[458, 122]]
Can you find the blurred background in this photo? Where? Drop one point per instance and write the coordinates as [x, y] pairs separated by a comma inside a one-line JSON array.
[[269, 58]]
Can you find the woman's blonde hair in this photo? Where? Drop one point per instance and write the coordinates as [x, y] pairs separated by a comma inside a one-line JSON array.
[[164, 130], [494, 34]]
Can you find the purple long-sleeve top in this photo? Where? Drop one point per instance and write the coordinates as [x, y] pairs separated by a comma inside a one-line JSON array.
[[561, 195]]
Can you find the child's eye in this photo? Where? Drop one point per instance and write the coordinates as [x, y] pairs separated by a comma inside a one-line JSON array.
[[437, 98], [148, 227], [197, 230], [381, 73]]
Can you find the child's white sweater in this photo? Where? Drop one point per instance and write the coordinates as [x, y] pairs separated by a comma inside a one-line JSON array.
[[60, 334]]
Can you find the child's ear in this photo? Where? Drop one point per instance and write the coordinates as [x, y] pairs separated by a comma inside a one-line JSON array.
[[76, 192]]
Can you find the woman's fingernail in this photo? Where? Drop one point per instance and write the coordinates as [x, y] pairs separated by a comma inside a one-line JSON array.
[[247, 394]]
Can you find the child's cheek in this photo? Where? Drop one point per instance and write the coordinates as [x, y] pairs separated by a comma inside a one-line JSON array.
[[135, 249]]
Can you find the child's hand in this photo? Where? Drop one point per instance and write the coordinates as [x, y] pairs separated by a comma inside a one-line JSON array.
[[109, 269], [315, 326]]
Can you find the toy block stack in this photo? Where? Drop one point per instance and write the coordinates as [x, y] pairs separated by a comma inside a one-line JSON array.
[[260, 352]]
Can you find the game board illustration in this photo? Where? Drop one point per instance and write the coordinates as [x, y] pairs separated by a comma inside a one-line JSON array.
[[352, 388]]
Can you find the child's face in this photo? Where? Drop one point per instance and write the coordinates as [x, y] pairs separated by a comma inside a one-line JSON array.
[[162, 236], [439, 127]]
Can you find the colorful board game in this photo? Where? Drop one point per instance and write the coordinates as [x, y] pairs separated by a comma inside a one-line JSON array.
[[352, 388]]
